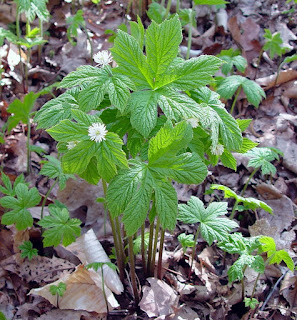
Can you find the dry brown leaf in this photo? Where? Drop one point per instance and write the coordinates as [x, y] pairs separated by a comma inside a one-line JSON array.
[[289, 290], [283, 77], [69, 315], [88, 249], [83, 292], [159, 299]]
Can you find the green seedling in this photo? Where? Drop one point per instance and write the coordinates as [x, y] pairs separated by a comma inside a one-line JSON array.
[[76, 22], [58, 290], [21, 111], [250, 302], [59, 227], [273, 44], [211, 226], [96, 266], [232, 59], [234, 84], [27, 250], [23, 199], [260, 159], [186, 241], [127, 143], [52, 168], [248, 203]]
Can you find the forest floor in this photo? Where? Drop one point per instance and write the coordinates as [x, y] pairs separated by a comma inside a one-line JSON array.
[[207, 294]]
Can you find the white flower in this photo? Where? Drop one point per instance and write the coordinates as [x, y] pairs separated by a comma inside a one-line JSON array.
[[193, 122], [217, 150], [97, 132], [103, 58], [72, 144]]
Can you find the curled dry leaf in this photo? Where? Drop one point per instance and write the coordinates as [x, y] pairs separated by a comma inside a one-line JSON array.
[[83, 292], [159, 299], [88, 249], [283, 77]]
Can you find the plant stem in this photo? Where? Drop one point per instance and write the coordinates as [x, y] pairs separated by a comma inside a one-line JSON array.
[[258, 62], [233, 209], [119, 234], [189, 39], [120, 263], [150, 248], [235, 99], [242, 282], [132, 271], [103, 289], [162, 3], [46, 197], [143, 249], [157, 229], [177, 6], [249, 179], [90, 42], [255, 285], [168, 9], [194, 250], [41, 35], [28, 146], [160, 254], [18, 33]]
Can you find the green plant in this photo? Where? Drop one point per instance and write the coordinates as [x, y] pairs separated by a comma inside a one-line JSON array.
[[211, 226], [21, 111], [191, 130], [260, 158], [58, 290], [2, 316], [232, 59], [273, 44], [27, 250], [186, 241], [75, 22], [248, 203], [234, 84]]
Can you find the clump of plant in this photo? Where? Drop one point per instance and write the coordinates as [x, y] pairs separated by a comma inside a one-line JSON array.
[[58, 290], [249, 251], [233, 59]]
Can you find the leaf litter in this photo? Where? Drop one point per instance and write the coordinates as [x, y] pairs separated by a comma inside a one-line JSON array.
[[275, 129]]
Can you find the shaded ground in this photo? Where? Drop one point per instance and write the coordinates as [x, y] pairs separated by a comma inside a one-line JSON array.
[[207, 294]]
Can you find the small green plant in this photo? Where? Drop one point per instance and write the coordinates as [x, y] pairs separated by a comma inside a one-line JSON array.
[[9, 189], [273, 44], [58, 290], [74, 23], [211, 226], [186, 241], [23, 199], [250, 302], [59, 227], [248, 203], [2, 316], [260, 159], [232, 59], [99, 265], [27, 250], [234, 84]]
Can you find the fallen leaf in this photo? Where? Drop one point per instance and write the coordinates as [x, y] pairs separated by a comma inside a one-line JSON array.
[[283, 77], [88, 249], [83, 292], [159, 299], [69, 315], [288, 289]]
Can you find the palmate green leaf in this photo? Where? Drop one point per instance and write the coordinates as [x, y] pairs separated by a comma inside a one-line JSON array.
[[162, 42], [21, 110], [228, 160], [25, 198], [232, 58], [249, 203], [53, 169], [169, 140], [58, 290], [132, 62], [253, 91], [261, 158], [236, 243], [212, 227], [137, 243], [137, 31], [275, 256], [57, 109], [59, 227], [250, 302], [27, 250], [235, 272], [9, 189], [190, 74], [243, 123], [143, 108], [177, 106], [156, 12], [273, 43], [186, 240], [247, 145], [6, 34]]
